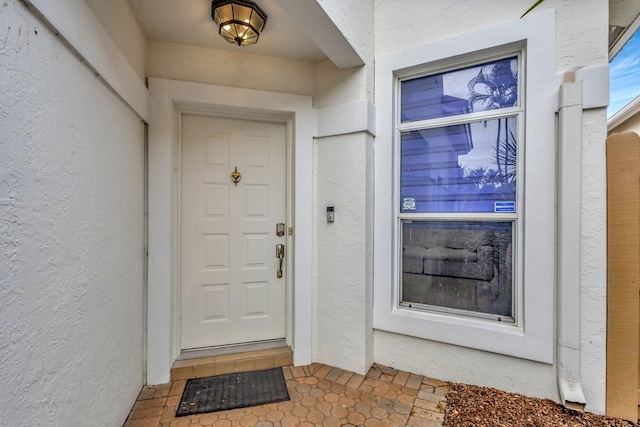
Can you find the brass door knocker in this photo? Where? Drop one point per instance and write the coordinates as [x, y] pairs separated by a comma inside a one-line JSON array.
[[236, 176]]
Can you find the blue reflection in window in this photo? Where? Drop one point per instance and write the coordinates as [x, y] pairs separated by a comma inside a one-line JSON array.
[[461, 168], [488, 86]]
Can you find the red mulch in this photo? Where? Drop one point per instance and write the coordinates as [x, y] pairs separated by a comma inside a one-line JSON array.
[[473, 406]]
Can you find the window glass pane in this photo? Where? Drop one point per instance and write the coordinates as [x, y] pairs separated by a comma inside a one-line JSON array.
[[487, 86], [459, 265], [462, 168]]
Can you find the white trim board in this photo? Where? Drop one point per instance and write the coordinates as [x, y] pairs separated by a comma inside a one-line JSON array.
[[84, 33], [352, 117], [167, 98]]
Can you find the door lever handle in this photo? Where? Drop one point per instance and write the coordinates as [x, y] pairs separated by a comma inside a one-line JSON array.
[[280, 256]]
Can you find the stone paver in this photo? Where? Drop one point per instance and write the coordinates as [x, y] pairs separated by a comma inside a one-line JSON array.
[[320, 396]]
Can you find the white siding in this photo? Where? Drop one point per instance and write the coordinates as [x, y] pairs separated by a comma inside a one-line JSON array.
[[71, 236]]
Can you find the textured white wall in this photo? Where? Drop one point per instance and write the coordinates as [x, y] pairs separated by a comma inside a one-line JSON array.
[[451, 363], [343, 289], [581, 25], [593, 263], [71, 228], [581, 34], [337, 86], [118, 20], [343, 300], [236, 69], [355, 19]]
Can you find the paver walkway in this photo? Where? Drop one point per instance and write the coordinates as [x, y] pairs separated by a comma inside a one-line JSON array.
[[320, 396]]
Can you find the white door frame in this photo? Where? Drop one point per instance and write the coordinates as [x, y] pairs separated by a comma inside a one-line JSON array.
[[169, 100], [216, 113]]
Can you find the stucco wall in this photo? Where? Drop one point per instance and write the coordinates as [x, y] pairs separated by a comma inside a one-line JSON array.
[[452, 363], [343, 289], [343, 286], [355, 19], [593, 265], [581, 35], [214, 66], [71, 230], [337, 86], [323, 80], [581, 26]]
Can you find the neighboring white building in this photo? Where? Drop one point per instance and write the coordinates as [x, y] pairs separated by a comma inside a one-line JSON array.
[[501, 283]]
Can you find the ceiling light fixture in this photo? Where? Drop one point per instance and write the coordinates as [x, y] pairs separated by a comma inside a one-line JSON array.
[[240, 21]]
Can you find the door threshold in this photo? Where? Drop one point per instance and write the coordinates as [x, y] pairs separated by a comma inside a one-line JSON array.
[[237, 361], [197, 353]]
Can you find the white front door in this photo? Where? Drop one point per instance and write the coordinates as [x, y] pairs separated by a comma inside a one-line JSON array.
[[230, 289]]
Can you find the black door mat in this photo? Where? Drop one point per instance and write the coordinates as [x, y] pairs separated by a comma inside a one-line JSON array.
[[230, 391]]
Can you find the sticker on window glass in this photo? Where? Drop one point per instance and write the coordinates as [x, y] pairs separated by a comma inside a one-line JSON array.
[[504, 206], [409, 204]]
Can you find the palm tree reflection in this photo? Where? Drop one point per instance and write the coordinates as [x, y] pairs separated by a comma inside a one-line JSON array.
[[494, 87]]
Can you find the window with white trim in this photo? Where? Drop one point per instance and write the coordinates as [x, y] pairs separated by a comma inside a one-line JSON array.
[[465, 189], [457, 133]]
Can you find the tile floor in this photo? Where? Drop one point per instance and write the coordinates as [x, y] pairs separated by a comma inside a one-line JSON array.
[[320, 396]]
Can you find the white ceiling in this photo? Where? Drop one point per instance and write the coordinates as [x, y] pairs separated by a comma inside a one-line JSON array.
[[189, 22]]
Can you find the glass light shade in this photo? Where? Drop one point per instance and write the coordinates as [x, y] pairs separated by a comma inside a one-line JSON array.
[[241, 12], [240, 21]]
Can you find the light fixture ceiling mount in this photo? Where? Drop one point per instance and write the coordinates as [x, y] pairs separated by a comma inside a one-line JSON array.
[[239, 21]]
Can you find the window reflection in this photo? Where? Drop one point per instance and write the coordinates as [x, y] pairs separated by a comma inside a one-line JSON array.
[[461, 168], [488, 86], [458, 265]]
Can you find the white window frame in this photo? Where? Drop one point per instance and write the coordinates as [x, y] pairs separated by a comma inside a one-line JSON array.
[[516, 111], [532, 335]]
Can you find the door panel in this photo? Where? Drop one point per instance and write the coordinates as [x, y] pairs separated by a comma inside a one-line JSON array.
[[229, 289]]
